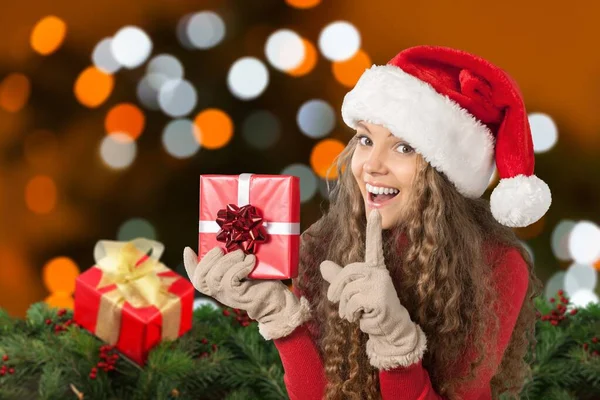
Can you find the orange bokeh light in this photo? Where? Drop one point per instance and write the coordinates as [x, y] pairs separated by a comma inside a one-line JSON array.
[[48, 34], [59, 275], [215, 128], [309, 62], [40, 194], [597, 265], [14, 92], [93, 87], [303, 3], [125, 118], [347, 72], [60, 300], [323, 156]]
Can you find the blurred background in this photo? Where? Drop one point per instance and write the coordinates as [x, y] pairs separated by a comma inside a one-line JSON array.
[[110, 111]]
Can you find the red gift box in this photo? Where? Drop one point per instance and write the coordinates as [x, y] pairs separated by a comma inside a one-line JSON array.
[[132, 301], [274, 198]]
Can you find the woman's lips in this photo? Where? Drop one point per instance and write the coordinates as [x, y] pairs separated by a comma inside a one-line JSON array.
[[378, 204]]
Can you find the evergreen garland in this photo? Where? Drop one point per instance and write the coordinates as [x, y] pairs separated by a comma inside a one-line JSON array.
[[47, 356]]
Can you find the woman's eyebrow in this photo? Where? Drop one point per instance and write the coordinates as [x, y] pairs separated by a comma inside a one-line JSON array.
[[361, 125]]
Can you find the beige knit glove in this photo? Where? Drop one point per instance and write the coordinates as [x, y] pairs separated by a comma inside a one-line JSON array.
[[365, 292], [277, 310]]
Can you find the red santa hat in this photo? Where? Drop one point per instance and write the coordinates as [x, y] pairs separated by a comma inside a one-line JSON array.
[[462, 114]]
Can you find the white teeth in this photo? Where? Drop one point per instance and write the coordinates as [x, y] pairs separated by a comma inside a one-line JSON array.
[[380, 190]]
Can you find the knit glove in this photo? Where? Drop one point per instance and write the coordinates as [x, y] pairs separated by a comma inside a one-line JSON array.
[[365, 292], [276, 309]]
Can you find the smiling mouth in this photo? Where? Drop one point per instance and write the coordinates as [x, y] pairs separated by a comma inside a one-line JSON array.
[[380, 198]]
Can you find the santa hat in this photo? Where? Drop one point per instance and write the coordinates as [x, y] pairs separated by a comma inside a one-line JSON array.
[[461, 113]]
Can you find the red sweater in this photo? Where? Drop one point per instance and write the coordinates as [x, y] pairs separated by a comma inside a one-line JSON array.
[[305, 377]]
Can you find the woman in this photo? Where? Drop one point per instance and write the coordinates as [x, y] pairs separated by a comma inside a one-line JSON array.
[[410, 286]]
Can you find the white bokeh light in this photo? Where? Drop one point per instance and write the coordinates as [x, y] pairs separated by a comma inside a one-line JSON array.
[[131, 46], [118, 150], [560, 239], [248, 78], [316, 118], [201, 301], [584, 242], [162, 68], [180, 138], [583, 298], [135, 228], [204, 30], [308, 180], [580, 276], [285, 50], [339, 41], [554, 284], [543, 131], [102, 57], [177, 97], [147, 95]]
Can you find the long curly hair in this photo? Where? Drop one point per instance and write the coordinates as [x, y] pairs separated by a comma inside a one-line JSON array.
[[441, 276]]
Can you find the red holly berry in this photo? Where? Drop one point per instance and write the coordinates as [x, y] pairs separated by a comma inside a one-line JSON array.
[[594, 340], [5, 357], [552, 300], [595, 353], [214, 347], [11, 371], [61, 312], [245, 323], [204, 340], [226, 313], [573, 312], [560, 292], [92, 375], [564, 300], [111, 367], [554, 322], [48, 321], [585, 346], [236, 311], [2, 372]]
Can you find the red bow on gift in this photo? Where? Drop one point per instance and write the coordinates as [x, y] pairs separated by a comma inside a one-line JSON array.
[[241, 225]]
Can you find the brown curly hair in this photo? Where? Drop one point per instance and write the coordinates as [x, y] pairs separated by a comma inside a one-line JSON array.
[[453, 302]]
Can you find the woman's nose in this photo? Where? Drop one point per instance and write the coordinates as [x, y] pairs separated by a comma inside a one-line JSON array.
[[375, 163]]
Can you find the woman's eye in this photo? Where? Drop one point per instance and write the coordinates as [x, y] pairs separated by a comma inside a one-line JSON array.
[[363, 140], [404, 148]]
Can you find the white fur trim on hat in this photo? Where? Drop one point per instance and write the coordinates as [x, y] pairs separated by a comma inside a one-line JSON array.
[[520, 201], [451, 139]]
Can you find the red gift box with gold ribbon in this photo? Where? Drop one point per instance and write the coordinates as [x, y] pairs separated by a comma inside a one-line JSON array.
[[131, 300], [259, 214]]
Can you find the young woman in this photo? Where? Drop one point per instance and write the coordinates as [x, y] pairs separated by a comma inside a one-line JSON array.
[[411, 286]]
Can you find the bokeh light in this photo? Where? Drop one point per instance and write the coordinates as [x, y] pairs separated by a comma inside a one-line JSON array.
[[135, 228], [543, 131], [146, 94], [308, 180], [560, 239], [215, 128], [177, 97], [339, 41], [284, 49], [102, 57], [580, 276], [59, 275], [41, 194], [316, 118], [261, 129], [125, 118], [40, 148], [179, 138], [48, 35], [303, 4], [93, 87], [308, 63], [201, 301], [584, 242], [323, 190], [554, 284], [529, 250], [323, 155], [14, 92], [248, 78], [582, 298], [162, 68], [131, 47], [118, 150], [60, 300], [202, 30], [349, 71]]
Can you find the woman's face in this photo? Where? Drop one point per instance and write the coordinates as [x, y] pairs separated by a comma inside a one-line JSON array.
[[383, 163]]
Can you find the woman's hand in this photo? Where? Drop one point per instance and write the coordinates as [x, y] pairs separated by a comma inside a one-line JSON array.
[[271, 303], [365, 292]]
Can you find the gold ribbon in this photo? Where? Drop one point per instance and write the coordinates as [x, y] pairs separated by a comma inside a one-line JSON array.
[[134, 269]]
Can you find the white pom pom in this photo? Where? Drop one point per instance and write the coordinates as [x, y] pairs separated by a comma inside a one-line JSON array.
[[520, 201]]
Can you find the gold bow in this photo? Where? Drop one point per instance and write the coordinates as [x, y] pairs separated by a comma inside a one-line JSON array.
[[134, 269]]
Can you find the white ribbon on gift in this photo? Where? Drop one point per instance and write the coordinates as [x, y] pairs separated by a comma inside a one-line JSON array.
[[272, 228]]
